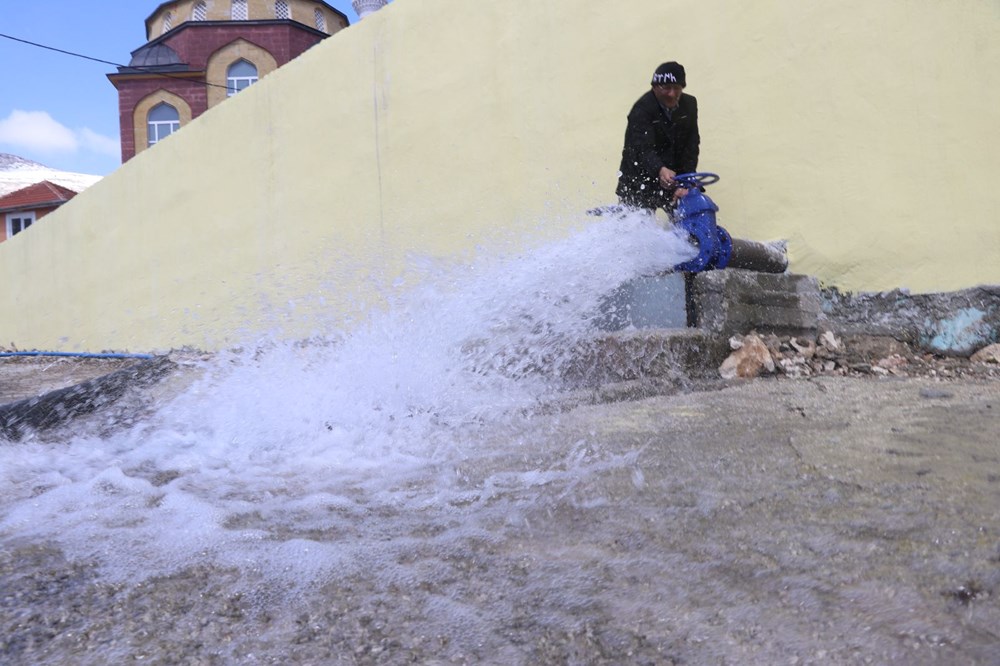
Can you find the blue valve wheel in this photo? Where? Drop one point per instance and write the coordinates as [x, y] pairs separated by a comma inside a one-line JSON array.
[[697, 178]]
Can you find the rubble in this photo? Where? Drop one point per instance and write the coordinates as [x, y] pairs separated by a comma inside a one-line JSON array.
[[750, 358], [990, 354], [849, 356]]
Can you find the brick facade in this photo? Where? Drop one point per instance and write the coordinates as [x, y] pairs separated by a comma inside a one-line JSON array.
[[192, 77]]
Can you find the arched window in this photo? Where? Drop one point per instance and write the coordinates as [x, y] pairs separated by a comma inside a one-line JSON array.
[[162, 121], [200, 12], [168, 22], [320, 20], [240, 75], [281, 10], [239, 12]]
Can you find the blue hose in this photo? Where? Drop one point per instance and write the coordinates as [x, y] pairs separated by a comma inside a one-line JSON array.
[[72, 354]]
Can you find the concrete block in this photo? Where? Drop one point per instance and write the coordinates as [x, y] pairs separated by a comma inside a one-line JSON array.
[[645, 354], [734, 301]]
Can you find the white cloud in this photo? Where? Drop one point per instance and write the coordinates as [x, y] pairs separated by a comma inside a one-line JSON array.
[[38, 131], [98, 143]]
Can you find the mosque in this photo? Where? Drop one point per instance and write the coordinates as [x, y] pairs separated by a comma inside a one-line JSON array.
[[201, 52]]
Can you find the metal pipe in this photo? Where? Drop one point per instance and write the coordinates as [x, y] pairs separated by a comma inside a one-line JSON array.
[[761, 257]]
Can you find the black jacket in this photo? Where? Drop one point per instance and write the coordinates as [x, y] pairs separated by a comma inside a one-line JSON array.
[[653, 141]]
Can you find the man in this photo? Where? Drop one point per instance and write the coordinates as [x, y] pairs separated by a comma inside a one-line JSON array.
[[661, 141]]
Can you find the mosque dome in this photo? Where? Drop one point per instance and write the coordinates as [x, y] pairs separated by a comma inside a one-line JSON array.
[[366, 7], [312, 13], [158, 56]]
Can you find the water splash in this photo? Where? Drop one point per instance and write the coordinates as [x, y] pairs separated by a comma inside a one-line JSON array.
[[301, 457]]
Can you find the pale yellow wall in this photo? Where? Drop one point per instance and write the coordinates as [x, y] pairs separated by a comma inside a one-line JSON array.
[[863, 133]]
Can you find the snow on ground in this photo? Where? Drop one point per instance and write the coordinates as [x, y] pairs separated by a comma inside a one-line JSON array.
[[17, 173]]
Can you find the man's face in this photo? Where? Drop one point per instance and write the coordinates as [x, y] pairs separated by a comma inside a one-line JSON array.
[[669, 94]]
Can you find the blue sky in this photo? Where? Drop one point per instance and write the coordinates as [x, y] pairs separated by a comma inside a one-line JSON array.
[[59, 110]]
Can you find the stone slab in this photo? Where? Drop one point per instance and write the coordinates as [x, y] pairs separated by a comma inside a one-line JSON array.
[[735, 302]]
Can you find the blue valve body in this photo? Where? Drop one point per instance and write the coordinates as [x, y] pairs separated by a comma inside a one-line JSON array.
[[695, 214]]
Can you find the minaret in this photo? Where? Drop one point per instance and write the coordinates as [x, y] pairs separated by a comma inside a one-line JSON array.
[[366, 7]]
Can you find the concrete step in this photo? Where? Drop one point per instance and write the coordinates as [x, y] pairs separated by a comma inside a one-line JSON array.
[[646, 332]]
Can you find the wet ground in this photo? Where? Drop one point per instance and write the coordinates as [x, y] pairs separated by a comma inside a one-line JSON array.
[[30, 376], [831, 520]]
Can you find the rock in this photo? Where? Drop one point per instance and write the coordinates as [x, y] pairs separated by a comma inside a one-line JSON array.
[[959, 332], [796, 366], [891, 364], [829, 341], [751, 356], [989, 354], [870, 348], [807, 349], [773, 343]]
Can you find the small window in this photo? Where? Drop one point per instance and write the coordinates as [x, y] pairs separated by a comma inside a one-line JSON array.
[[200, 12], [320, 20], [18, 222], [281, 10], [162, 121], [168, 22], [239, 12], [241, 74]]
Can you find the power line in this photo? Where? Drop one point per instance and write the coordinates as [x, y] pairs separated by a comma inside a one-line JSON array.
[[141, 69], [52, 48]]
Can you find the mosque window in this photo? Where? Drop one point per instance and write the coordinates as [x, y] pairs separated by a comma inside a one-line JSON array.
[[162, 121], [281, 10], [320, 20], [240, 75], [200, 12], [239, 12], [168, 22]]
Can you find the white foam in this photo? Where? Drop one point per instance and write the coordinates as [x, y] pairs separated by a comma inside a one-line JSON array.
[[288, 461]]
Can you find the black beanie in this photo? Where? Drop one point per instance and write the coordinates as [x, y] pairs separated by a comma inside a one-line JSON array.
[[670, 72]]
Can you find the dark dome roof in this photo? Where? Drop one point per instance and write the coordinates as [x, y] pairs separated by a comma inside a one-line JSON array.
[[155, 55]]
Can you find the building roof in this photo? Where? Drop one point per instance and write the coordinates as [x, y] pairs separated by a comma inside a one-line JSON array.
[[40, 195], [154, 55], [163, 5], [156, 58]]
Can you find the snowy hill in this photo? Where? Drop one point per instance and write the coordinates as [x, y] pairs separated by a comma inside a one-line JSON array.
[[17, 172]]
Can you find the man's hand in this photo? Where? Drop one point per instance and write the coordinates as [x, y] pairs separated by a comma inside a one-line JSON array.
[[666, 177], [680, 193]]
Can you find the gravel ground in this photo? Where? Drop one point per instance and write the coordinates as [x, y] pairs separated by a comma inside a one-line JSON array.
[[822, 520]]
